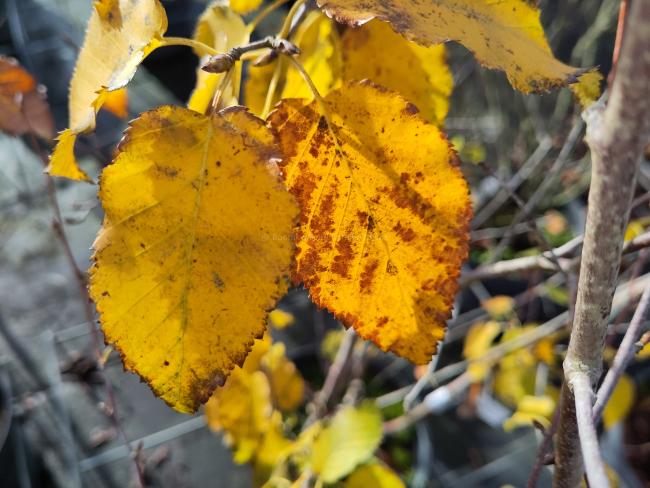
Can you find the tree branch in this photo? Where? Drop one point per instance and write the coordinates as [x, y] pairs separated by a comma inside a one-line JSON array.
[[616, 136]]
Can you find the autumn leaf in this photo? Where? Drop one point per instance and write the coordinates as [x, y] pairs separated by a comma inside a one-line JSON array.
[[336, 453], [478, 341], [531, 409], [175, 253], [620, 403], [245, 6], [120, 34], [117, 103], [384, 214], [374, 474], [420, 74], [287, 385], [505, 35], [218, 27], [320, 55], [23, 105]]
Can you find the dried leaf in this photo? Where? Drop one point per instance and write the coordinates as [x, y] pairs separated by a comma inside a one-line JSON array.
[[419, 74], [120, 34], [336, 453], [23, 104], [385, 214], [175, 254], [505, 35], [222, 29]]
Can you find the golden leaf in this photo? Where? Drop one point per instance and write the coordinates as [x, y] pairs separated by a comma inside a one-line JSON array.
[[419, 74], [62, 160], [587, 90], [478, 340], [374, 474], [505, 35], [320, 56], [222, 29], [117, 103], [620, 403], [23, 104], [336, 452], [531, 408], [385, 214], [175, 251], [281, 319], [120, 34], [499, 307], [287, 385], [245, 6]]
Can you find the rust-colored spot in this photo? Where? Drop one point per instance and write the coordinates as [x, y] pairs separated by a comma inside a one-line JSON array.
[[368, 275], [344, 258]]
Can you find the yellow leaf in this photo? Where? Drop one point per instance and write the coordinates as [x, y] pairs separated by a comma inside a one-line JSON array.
[[531, 408], [419, 74], [634, 229], [515, 377], [477, 342], [116, 102], [320, 56], [374, 475], [281, 319], [245, 6], [349, 440], [505, 35], [620, 403], [120, 34], [271, 450], [499, 307], [62, 160], [385, 214], [194, 215], [287, 385], [222, 29], [587, 89]]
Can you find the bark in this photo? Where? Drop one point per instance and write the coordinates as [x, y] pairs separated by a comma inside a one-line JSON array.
[[616, 136]]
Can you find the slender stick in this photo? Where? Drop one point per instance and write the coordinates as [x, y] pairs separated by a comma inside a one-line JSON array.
[[616, 136], [625, 353], [200, 47], [594, 465]]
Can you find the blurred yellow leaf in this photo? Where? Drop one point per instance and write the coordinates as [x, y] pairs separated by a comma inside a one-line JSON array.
[[174, 252], [531, 408], [620, 403], [515, 376], [374, 475], [280, 319], [419, 74], [634, 229], [116, 102], [245, 6], [587, 90], [499, 307], [287, 385], [478, 340], [271, 450], [120, 34], [218, 27], [385, 214], [349, 440], [504, 35]]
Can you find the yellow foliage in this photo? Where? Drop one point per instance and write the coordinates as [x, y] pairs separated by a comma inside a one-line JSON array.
[[505, 35], [222, 29], [280, 319], [287, 385], [175, 252], [245, 6], [419, 74], [634, 229], [120, 34], [374, 475], [516, 373], [116, 102], [499, 307], [62, 159], [385, 214], [320, 56], [587, 90], [478, 340], [531, 408], [620, 403], [349, 440]]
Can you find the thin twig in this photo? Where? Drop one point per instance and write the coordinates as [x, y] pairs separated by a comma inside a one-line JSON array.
[[543, 450], [624, 355]]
